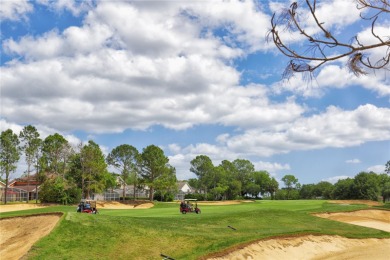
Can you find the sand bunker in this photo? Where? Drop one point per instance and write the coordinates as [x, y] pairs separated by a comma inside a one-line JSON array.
[[350, 202], [18, 234], [225, 202], [323, 247], [100, 205], [15, 207], [119, 205], [313, 247], [378, 219]]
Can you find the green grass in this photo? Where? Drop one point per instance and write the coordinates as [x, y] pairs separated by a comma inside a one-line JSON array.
[[146, 233]]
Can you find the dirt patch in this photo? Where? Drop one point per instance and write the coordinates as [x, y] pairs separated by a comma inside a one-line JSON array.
[[378, 219], [350, 202], [18, 234], [16, 207], [312, 247]]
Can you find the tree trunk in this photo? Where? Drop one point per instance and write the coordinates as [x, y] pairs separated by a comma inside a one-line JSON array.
[[134, 190], [124, 191], [28, 182], [6, 188], [151, 191]]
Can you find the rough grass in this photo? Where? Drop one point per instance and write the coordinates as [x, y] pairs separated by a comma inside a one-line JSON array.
[[146, 233]]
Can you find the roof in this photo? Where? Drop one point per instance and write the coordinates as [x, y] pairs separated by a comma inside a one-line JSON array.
[[30, 188]]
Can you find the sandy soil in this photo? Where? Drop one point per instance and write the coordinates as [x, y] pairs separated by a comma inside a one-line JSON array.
[[100, 205], [313, 247], [349, 202], [15, 207], [323, 247], [17, 235], [378, 219], [119, 205]]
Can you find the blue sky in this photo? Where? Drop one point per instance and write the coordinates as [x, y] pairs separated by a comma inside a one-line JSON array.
[[193, 77]]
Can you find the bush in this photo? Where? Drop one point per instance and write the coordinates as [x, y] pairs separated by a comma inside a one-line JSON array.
[[59, 191], [166, 198]]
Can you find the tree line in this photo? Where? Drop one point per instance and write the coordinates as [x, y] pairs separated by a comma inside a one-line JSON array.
[[69, 173], [239, 179], [364, 186]]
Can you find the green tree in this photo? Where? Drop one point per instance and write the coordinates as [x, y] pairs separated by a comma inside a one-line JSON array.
[[93, 169], [244, 171], [166, 183], [126, 159], [261, 178], [323, 189], [366, 186], [194, 183], [231, 180], [290, 182], [343, 189], [31, 144], [384, 185], [307, 191], [272, 187], [154, 163], [202, 166], [52, 149], [253, 189], [387, 167], [9, 155], [58, 190]]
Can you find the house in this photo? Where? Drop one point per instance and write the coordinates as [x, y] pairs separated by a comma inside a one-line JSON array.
[[183, 189], [25, 187]]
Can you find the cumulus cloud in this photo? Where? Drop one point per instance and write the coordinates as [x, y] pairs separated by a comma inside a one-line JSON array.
[[15, 9], [134, 65], [153, 67], [333, 128], [376, 168], [74, 6]]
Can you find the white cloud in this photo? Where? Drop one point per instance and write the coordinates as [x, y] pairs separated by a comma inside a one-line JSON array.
[[376, 168], [353, 161], [272, 168], [136, 65], [333, 128], [120, 71], [74, 6], [15, 9]]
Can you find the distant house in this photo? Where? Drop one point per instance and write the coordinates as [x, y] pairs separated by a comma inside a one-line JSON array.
[[117, 193], [25, 187], [184, 189]]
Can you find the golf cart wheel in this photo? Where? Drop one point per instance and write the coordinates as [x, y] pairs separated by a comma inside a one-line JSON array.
[[184, 212]]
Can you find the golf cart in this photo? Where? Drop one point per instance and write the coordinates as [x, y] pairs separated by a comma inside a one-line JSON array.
[[187, 206], [87, 206]]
